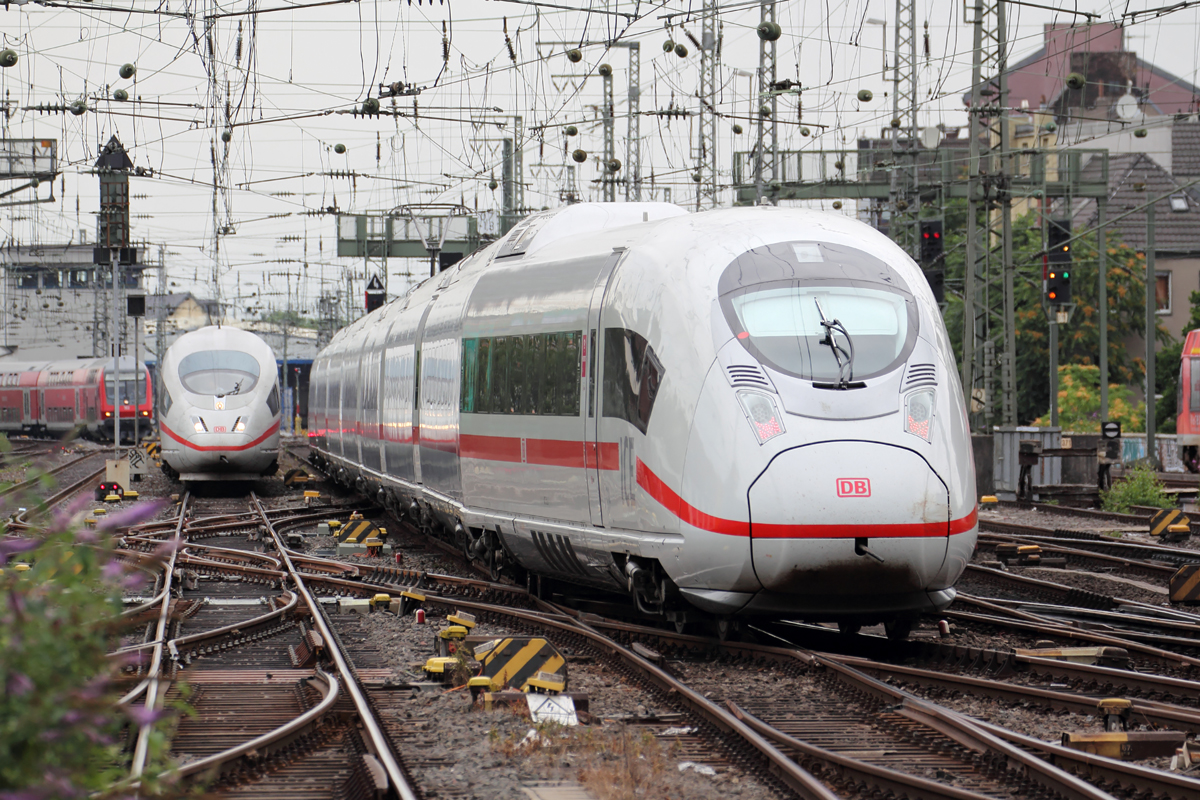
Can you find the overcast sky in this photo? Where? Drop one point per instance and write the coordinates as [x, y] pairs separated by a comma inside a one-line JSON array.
[[297, 68]]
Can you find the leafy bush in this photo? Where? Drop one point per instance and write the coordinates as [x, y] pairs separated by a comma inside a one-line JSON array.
[[1139, 487], [1079, 402], [61, 728]]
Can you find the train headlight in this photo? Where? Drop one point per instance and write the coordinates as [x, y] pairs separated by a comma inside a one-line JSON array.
[[763, 415], [918, 413], [239, 426], [198, 424]]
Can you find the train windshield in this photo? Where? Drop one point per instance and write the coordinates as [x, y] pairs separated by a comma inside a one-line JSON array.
[[130, 389], [218, 372], [781, 301]]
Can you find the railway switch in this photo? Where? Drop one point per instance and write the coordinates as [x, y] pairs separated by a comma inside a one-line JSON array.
[[1127, 746], [1115, 711], [381, 601], [410, 601], [547, 683], [462, 618], [1184, 586], [441, 668], [1116, 657], [448, 639]]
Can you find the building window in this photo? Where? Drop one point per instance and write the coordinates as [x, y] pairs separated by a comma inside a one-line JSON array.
[[78, 278], [27, 280], [50, 279], [1162, 292]]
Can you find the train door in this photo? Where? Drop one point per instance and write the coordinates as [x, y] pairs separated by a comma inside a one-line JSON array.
[[595, 450], [417, 367]]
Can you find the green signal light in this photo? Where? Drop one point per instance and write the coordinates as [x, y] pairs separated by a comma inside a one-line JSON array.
[[1066, 274]]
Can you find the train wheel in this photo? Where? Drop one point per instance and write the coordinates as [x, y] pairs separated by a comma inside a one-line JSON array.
[[728, 630], [897, 630], [849, 627]]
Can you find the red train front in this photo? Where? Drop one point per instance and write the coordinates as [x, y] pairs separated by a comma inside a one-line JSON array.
[[58, 397], [1187, 424]]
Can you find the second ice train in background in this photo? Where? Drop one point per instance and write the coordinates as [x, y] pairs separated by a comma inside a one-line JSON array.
[[218, 409], [742, 412]]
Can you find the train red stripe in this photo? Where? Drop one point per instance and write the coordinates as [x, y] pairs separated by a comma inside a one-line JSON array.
[[671, 501], [204, 448], [541, 452]]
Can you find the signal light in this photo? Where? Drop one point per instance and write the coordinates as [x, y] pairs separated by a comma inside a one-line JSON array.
[[1058, 254], [931, 242]]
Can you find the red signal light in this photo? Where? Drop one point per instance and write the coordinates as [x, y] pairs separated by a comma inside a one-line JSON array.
[[925, 234], [1053, 295], [937, 235]]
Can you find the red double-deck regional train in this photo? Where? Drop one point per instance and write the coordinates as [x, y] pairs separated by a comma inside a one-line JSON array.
[[57, 397]]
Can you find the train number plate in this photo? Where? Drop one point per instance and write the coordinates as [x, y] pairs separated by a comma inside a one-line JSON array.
[[853, 487], [219, 429]]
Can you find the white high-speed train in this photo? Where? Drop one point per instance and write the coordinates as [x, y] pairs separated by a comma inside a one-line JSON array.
[[218, 412], [738, 412]]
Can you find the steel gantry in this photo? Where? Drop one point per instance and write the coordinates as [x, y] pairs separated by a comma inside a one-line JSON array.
[[766, 161], [904, 200], [706, 145]]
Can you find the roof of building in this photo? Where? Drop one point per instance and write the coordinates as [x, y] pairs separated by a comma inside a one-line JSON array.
[[1038, 79], [170, 302], [1133, 179], [1185, 146]]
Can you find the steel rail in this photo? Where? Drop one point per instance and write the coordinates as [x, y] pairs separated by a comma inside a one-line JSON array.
[[966, 733], [1143, 780], [219, 763], [373, 731], [173, 645], [1162, 714], [1021, 620], [141, 749], [882, 779], [32, 482]]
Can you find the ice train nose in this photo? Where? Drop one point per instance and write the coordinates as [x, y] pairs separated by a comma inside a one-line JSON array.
[[839, 518]]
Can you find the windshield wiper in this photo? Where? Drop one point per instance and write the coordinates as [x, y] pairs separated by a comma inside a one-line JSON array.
[[237, 387], [846, 366]]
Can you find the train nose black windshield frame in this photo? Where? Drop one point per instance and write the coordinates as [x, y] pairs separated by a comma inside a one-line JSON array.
[[769, 298]]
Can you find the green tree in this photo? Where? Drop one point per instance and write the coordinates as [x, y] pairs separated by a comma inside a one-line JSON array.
[[1079, 340], [1079, 402]]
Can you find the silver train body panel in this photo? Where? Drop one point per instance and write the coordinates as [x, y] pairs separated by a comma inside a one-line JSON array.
[[634, 423], [219, 410]]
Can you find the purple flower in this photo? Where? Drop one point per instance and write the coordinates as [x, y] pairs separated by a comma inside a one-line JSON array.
[[18, 684], [140, 715], [133, 580], [113, 570], [12, 545], [134, 515]]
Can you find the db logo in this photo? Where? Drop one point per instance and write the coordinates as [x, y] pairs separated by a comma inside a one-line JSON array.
[[853, 487]]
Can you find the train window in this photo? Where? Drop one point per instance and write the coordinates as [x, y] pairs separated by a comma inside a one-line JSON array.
[[774, 299], [218, 372], [535, 374], [164, 399], [632, 376], [273, 400]]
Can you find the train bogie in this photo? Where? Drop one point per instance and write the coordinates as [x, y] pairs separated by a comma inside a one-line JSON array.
[[749, 411], [219, 413]]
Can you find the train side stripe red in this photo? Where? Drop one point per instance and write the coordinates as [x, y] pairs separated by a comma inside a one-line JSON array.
[[671, 501], [207, 448], [540, 452]]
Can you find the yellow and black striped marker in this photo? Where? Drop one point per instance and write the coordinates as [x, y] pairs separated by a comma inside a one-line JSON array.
[[153, 448], [294, 477], [515, 660], [358, 532], [1184, 586], [1166, 518]]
